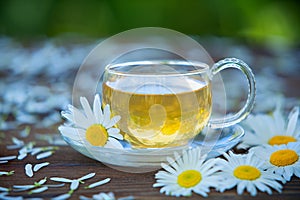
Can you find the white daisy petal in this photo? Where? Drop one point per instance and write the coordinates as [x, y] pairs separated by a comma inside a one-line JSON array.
[[113, 121], [115, 132], [168, 168], [67, 115], [87, 110], [278, 117], [70, 132], [80, 119], [113, 143], [97, 109], [293, 117], [240, 187], [106, 115]]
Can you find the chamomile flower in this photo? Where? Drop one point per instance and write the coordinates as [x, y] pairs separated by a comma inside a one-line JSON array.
[[186, 174], [280, 159], [94, 127], [271, 129], [246, 172]]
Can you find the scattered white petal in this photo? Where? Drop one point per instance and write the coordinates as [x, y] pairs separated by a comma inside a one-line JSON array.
[[3, 161], [84, 198], [98, 183], [39, 166], [6, 158], [34, 198], [3, 196], [126, 198], [38, 190], [58, 179], [7, 173], [22, 156], [104, 196], [42, 181], [62, 197], [36, 150], [88, 176], [55, 185], [44, 155], [3, 189], [13, 146], [74, 185], [28, 170], [20, 188]]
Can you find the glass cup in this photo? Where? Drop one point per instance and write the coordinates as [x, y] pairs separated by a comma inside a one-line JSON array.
[[166, 103]]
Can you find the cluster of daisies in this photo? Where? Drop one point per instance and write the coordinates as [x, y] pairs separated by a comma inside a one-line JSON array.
[[273, 158], [271, 141]]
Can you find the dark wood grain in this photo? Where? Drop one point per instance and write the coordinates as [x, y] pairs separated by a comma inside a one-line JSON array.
[[68, 163]]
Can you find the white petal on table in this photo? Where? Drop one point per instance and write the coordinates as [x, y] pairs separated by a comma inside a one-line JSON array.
[[38, 190], [59, 179], [98, 183], [74, 185], [62, 197], [44, 155], [6, 158], [90, 175], [28, 170], [3, 189], [39, 166], [22, 156]]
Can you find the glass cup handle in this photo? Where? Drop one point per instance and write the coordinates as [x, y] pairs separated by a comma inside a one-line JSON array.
[[244, 112]]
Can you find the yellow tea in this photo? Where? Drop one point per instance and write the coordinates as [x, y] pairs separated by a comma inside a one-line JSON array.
[[154, 114]]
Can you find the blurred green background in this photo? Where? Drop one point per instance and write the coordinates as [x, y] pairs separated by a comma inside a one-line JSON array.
[[254, 21]]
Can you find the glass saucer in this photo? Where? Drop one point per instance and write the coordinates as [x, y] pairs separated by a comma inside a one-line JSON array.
[[214, 142]]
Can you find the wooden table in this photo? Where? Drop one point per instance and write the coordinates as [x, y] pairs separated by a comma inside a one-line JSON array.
[[68, 163]]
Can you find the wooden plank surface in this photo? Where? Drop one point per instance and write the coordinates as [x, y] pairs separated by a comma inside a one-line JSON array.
[[68, 163]]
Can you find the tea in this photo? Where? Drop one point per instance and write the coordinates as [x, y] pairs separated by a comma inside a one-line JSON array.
[[154, 114]]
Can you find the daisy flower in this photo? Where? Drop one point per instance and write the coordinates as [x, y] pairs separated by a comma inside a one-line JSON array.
[[246, 172], [271, 129], [280, 159], [186, 174], [94, 127]]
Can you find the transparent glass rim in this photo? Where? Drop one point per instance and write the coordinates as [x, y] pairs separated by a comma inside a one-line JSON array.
[[200, 68]]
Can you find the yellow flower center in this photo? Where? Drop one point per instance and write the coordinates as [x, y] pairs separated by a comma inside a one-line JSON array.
[[189, 178], [96, 135], [246, 172], [284, 157], [281, 139]]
